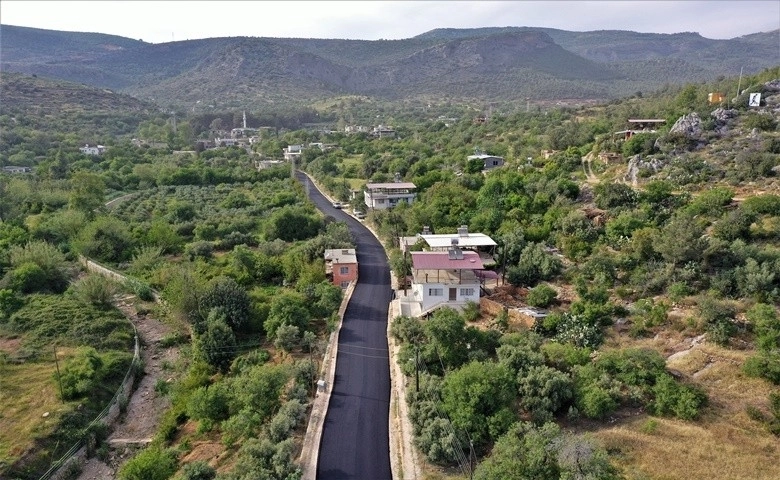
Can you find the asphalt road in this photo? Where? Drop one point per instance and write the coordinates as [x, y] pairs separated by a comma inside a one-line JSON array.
[[355, 436]]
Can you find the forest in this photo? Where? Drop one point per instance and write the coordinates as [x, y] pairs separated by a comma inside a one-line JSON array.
[[660, 287]]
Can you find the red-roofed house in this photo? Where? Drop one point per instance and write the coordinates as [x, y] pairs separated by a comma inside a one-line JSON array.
[[443, 279], [341, 266]]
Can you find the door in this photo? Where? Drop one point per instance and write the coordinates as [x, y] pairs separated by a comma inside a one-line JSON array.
[[453, 294]]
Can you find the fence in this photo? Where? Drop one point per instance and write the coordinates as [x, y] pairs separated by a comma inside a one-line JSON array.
[[112, 410]]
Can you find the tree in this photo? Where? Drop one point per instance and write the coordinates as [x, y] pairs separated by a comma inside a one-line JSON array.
[[287, 308], [217, 345], [87, 192], [535, 264], [766, 326], [287, 337], [681, 241], [477, 397], [544, 391], [446, 334], [105, 238], [37, 266], [232, 300]]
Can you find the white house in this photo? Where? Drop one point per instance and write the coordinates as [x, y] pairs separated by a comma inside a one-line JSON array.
[[292, 152], [96, 150], [382, 196], [488, 161], [477, 242], [442, 279]]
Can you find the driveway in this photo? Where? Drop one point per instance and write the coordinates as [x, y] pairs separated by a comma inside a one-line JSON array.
[[355, 435]]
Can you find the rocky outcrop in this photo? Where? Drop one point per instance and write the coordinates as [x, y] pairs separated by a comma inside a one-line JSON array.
[[688, 125], [722, 116], [636, 164]]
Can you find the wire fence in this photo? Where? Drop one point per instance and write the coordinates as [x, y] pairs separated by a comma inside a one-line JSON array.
[[112, 410], [108, 414]]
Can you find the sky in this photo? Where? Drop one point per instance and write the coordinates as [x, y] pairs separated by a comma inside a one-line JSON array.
[[165, 21]]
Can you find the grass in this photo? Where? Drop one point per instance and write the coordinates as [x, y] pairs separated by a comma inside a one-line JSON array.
[[723, 444], [27, 392]]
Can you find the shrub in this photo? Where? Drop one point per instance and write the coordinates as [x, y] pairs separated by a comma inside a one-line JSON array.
[[287, 337], [286, 419], [672, 398], [764, 365], [541, 296], [198, 471], [95, 289], [595, 402], [151, 464], [81, 373]]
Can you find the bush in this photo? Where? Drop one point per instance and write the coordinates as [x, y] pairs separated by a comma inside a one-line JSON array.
[[198, 471], [534, 265], [81, 374], [541, 296], [96, 289], [151, 464], [764, 365], [285, 421], [595, 402], [672, 398]]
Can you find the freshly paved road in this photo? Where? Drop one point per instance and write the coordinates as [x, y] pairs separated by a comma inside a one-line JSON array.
[[355, 437]]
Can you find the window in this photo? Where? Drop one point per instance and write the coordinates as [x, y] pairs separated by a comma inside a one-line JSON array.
[[344, 284], [466, 292], [435, 292], [344, 270], [380, 201]]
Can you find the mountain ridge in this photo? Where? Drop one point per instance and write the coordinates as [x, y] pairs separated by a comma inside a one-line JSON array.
[[507, 64]]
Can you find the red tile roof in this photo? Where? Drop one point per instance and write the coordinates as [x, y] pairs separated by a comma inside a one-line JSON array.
[[442, 261]]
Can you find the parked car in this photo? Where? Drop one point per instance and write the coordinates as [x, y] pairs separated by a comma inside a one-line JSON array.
[[358, 214], [337, 205]]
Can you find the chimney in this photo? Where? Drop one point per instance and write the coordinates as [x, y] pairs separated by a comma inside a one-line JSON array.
[[463, 231]]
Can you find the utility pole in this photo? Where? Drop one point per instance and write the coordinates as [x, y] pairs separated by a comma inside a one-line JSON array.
[[739, 84], [59, 379], [416, 368]]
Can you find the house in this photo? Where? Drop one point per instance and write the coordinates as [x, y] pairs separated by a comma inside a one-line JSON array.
[[480, 243], [16, 169], [488, 161], [611, 157], [382, 196], [355, 129], [292, 152], [96, 150], [382, 131], [641, 125], [227, 142], [341, 266], [442, 279]]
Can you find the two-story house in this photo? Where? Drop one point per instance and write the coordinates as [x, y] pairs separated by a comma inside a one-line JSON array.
[[442, 279], [94, 150], [341, 266], [382, 196], [292, 152]]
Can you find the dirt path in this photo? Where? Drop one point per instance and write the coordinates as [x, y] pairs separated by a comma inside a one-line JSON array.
[[145, 408]]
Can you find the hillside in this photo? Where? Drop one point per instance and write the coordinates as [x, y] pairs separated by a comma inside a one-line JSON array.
[[41, 95], [476, 65]]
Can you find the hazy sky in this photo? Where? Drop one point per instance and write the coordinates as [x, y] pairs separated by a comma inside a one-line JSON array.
[[163, 21]]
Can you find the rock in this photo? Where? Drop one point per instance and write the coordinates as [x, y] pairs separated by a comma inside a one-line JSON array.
[[45, 414], [637, 164], [722, 115], [772, 85], [688, 125]]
